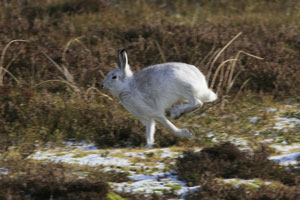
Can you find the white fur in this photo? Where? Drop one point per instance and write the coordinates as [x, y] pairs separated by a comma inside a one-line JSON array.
[[158, 89]]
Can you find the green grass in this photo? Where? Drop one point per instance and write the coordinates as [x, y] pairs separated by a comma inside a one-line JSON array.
[[292, 114], [174, 187], [114, 196], [80, 155]]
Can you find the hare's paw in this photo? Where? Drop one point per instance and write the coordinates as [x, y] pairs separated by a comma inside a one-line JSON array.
[[186, 133], [149, 145], [175, 113]]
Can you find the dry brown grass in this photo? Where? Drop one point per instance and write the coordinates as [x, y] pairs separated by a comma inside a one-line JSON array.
[[53, 57], [81, 43]]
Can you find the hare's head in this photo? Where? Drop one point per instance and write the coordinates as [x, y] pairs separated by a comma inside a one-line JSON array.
[[116, 80]]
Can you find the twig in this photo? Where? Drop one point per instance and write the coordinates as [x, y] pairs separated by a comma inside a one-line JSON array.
[[220, 81], [100, 93], [163, 57], [232, 67], [207, 55], [102, 74], [220, 52], [217, 71], [77, 39], [5, 49], [9, 73], [53, 62], [229, 86], [4, 70], [61, 81], [63, 70], [241, 88]]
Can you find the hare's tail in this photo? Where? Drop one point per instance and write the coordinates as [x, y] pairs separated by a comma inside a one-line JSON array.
[[208, 96]]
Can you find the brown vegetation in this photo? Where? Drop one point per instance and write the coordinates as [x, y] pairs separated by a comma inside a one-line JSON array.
[[227, 161], [212, 190], [85, 39], [29, 180], [54, 54]]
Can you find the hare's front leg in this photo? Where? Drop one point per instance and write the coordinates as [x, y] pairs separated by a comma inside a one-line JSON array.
[[173, 128], [150, 130]]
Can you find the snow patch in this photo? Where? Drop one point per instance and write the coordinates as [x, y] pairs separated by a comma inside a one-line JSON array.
[[254, 119], [238, 182], [270, 109], [284, 122], [3, 171], [158, 183], [154, 178], [286, 148], [91, 159], [286, 159]]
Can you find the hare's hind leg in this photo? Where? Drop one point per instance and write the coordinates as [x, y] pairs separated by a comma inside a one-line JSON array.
[[150, 130], [181, 109], [173, 128]]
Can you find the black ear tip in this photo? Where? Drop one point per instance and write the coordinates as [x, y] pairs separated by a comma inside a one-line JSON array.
[[122, 51]]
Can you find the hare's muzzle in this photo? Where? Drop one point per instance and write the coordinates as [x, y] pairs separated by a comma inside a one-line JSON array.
[[99, 85], [102, 85]]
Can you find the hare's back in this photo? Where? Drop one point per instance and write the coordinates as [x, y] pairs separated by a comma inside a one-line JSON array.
[[163, 85], [166, 75]]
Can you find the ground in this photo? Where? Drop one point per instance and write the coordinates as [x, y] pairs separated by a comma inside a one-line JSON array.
[[154, 170]]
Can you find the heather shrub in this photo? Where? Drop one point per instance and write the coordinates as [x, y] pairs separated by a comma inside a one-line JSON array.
[[227, 161], [27, 180], [84, 37], [212, 190]]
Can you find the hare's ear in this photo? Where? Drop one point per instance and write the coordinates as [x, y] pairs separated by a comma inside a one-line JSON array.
[[123, 62]]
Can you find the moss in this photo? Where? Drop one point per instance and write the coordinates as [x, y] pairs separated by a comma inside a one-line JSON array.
[[174, 186], [258, 182], [60, 154], [80, 155], [159, 189], [114, 196]]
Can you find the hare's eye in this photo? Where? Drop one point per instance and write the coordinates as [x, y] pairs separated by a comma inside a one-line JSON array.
[[114, 77]]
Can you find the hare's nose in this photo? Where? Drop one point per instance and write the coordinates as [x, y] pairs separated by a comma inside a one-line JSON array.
[[99, 85], [103, 86]]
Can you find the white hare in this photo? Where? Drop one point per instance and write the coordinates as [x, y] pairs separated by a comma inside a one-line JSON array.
[[152, 92]]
